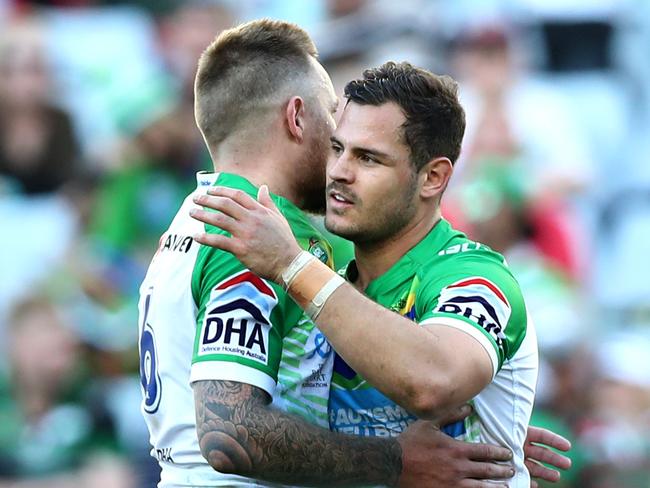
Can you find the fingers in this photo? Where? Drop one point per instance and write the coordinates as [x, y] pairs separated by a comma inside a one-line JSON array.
[[545, 455], [264, 197], [480, 484], [541, 472], [242, 198], [222, 204], [455, 415], [547, 437], [490, 471], [486, 452], [219, 220], [219, 241]]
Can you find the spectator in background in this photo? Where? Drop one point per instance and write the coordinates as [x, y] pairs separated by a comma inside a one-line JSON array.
[[159, 167], [615, 428], [512, 120], [495, 203], [134, 203], [52, 434], [38, 148], [511, 115], [39, 156], [183, 36]]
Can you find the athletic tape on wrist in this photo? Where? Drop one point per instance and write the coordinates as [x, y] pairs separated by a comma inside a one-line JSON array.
[[299, 262], [318, 302]]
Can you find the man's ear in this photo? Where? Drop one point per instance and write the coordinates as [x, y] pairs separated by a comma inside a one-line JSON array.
[[434, 177], [295, 118]]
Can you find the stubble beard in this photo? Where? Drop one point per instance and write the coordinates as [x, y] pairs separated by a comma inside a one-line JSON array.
[[374, 226]]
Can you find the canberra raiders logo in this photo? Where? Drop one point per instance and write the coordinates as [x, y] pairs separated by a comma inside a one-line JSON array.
[[318, 249]]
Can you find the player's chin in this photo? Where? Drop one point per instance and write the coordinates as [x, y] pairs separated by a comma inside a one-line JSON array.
[[340, 226]]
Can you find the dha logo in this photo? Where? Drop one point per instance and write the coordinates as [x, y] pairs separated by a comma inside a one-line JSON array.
[[237, 320], [479, 300], [222, 329], [474, 308]]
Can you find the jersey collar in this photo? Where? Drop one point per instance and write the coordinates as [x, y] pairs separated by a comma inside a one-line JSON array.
[[206, 179], [408, 265]]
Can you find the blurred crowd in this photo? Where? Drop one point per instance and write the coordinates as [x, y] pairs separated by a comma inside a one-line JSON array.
[[98, 147]]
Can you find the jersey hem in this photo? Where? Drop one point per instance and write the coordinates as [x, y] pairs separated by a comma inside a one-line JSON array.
[[229, 371]]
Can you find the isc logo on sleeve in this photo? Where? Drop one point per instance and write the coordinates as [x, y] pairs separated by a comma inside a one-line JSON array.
[[237, 318]]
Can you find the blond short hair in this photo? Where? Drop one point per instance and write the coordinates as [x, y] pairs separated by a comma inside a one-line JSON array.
[[244, 70]]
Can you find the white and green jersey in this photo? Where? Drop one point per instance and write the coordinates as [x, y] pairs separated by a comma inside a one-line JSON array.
[[450, 280], [204, 316]]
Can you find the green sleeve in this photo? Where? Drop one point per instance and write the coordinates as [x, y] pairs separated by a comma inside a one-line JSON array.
[[479, 295], [241, 320]]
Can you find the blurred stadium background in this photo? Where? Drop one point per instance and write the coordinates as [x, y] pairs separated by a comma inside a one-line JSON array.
[[98, 146]]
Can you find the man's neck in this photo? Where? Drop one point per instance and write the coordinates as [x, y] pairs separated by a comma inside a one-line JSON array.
[[260, 170], [375, 259]]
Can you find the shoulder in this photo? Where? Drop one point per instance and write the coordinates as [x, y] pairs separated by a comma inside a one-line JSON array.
[[463, 259], [475, 288], [469, 276]]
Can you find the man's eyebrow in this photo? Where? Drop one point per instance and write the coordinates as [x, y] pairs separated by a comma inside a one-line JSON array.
[[360, 149], [366, 150]]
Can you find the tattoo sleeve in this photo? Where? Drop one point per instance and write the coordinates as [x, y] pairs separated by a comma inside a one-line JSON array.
[[239, 432]]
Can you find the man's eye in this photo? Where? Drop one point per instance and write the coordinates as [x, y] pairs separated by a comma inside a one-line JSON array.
[[337, 149], [366, 159]]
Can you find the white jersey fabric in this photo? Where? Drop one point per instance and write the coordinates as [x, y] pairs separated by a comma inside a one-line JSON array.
[[203, 316], [448, 280]]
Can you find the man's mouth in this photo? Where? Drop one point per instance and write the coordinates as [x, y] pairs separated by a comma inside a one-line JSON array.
[[339, 197], [339, 201]]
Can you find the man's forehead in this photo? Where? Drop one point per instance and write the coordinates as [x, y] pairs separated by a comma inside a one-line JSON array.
[[373, 123]]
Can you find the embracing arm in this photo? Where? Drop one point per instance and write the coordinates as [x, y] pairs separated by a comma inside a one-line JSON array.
[[537, 450], [417, 367], [426, 369], [261, 236], [240, 433]]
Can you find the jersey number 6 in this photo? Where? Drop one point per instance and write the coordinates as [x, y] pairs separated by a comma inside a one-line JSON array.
[[149, 376]]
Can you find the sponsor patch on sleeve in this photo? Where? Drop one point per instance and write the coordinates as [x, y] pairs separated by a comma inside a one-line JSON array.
[[238, 318], [479, 300]]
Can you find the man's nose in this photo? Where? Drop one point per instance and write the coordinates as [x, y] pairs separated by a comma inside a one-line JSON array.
[[340, 168]]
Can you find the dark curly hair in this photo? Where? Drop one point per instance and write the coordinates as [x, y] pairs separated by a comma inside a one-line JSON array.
[[435, 120]]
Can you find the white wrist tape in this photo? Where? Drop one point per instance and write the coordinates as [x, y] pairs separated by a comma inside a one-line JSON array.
[[299, 262], [318, 302]]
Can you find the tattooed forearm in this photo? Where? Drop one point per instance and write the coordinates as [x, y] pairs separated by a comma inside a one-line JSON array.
[[240, 433]]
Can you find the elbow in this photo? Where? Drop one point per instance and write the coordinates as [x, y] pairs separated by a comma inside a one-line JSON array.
[[224, 454], [429, 400]]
